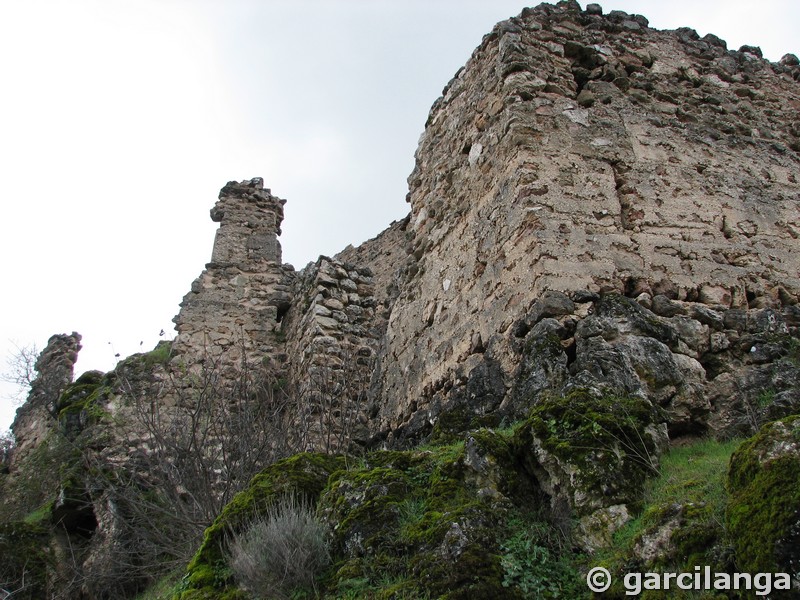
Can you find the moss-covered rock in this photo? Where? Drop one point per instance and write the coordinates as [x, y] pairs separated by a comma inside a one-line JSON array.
[[415, 523], [764, 511], [624, 315], [81, 403], [542, 367], [160, 355], [24, 559], [468, 406], [304, 475], [591, 452], [428, 523], [682, 524]]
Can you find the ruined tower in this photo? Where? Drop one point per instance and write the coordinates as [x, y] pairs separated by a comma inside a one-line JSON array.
[[238, 301]]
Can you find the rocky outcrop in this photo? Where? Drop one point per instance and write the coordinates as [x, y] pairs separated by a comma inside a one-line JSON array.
[[710, 370]]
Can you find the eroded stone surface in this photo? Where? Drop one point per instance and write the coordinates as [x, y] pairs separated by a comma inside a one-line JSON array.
[[581, 153], [598, 209], [36, 418]]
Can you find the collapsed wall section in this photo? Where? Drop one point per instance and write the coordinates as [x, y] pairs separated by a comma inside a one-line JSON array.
[[35, 419]]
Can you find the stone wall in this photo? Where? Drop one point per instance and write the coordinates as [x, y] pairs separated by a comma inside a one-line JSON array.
[[578, 152], [598, 210], [331, 341], [314, 333], [574, 153], [237, 303]]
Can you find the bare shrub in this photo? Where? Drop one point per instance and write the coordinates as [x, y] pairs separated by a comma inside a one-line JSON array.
[[157, 450], [7, 446], [193, 442], [282, 552], [20, 370]]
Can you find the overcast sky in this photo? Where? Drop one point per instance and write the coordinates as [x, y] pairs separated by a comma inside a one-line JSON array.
[[120, 120]]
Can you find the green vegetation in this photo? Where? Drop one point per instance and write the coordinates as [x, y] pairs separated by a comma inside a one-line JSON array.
[[303, 475], [43, 473], [453, 521], [81, 402], [606, 443], [687, 503], [765, 398], [40, 516], [25, 559], [469, 518], [282, 553], [537, 561], [159, 355], [410, 520], [763, 515], [164, 588]]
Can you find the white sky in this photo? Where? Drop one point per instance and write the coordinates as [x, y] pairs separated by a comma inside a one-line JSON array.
[[120, 120]]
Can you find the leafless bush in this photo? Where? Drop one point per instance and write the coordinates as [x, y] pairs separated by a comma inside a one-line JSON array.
[[7, 446], [20, 370], [194, 441], [282, 552], [332, 401], [160, 450]]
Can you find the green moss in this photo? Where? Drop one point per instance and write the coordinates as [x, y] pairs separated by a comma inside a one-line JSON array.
[[25, 558], [690, 494], [141, 365], [409, 524], [159, 355], [365, 507], [695, 537], [403, 524], [164, 588], [81, 402], [604, 439], [746, 463], [503, 454], [764, 511], [41, 475], [303, 474], [452, 423], [41, 515]]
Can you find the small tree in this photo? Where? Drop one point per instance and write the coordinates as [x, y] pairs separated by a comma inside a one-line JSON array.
[[20, 370]]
